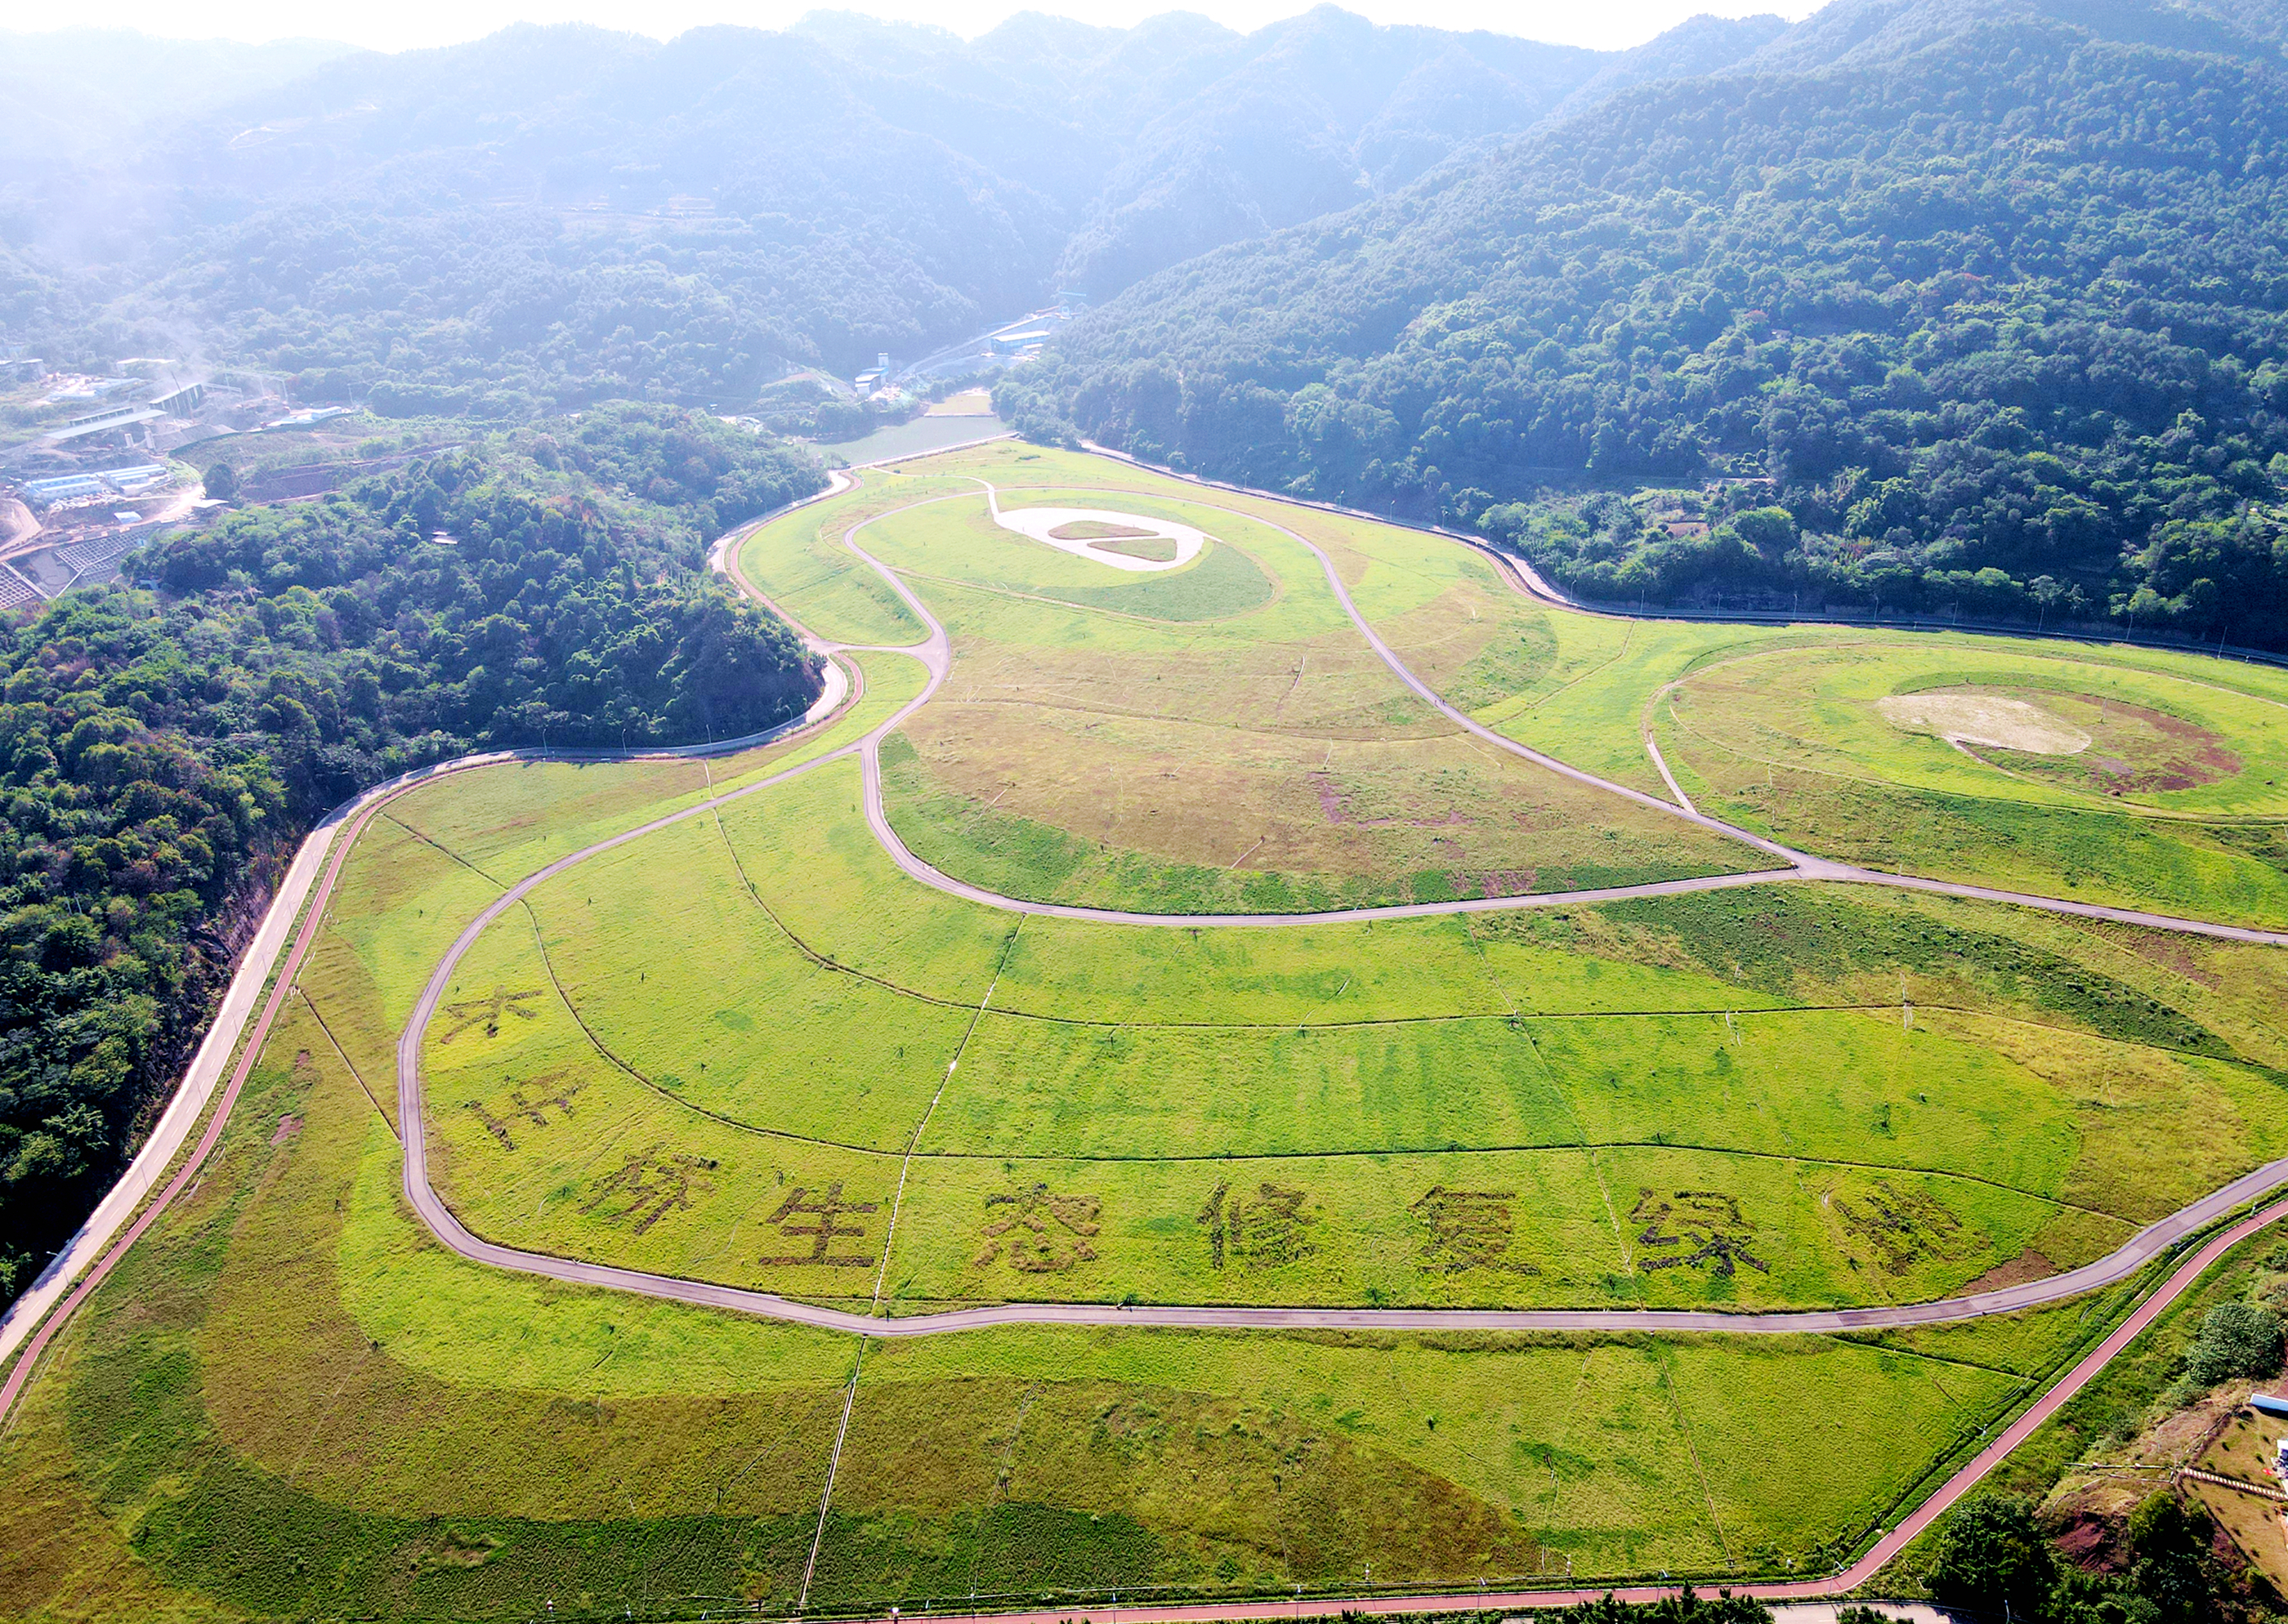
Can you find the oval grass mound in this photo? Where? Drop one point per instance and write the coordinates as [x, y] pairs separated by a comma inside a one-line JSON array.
[[2001, 723], [2090, 743]]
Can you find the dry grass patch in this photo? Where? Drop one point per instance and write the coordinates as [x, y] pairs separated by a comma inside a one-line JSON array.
[[1968, 717], [1222, 797]]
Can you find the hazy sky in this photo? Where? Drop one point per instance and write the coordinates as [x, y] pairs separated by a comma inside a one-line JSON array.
[[403, 23]]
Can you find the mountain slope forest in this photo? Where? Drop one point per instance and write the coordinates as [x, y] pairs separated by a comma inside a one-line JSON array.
[[163, 750], [1919, 305], [556, 216], [1970, 305]]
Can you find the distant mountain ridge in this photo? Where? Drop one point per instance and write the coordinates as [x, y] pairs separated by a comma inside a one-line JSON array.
[[1986, 300], [555, 214]]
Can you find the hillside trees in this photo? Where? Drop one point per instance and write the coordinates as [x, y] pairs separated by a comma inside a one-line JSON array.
[[1989, 308], [162, 750]]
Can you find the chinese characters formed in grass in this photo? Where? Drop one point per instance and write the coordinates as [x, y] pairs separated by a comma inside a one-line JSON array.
[[646, 1188], [487, 1012], [1708, 1221], [1261, 1231], [827, 1211], [1042, 1233], [1902, 1226], [534, 1110], [1468, 1229]]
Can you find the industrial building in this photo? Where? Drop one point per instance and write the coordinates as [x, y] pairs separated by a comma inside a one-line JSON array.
[[119, 481], [109, 421]]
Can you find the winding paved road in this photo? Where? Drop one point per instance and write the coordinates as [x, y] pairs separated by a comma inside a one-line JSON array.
[[935, 652]]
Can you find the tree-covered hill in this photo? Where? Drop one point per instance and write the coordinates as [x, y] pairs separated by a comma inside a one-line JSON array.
[[161, 751], [82, 93], [1978, 303], [557, 216]]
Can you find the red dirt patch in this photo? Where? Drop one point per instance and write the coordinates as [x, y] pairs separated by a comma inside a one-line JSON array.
[[1335, 807], [2028, 1265]]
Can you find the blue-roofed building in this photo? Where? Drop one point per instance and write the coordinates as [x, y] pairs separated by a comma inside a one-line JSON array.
[[124, 481]]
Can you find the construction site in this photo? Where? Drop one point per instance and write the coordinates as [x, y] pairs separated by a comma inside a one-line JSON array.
[[92, 464]]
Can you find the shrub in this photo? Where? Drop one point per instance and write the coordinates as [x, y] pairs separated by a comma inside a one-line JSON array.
[[2238, 1339], [1992, 1559]]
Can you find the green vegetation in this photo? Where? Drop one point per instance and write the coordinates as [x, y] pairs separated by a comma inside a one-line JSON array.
[[1788, 336], [1852, 1158], [2071, 1531], [1972, 314], [289, 1400], [157, 752], [921, 188], [2170, 802], [2237, 1339], [2147, 732], [1259, 756], [799, 562], [744, 1048]]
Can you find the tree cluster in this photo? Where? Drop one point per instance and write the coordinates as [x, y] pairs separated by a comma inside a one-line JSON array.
[[1993, 1561], [1994, 321], [163, 748], [558, 216]]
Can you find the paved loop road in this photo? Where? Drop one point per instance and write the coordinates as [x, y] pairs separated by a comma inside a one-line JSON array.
[[1788, 864], [935, 653]]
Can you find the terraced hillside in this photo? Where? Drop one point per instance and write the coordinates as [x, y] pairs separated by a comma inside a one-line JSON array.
[[1197, 1080]]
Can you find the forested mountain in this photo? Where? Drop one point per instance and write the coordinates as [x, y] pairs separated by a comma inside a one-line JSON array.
[[1920, 304], [79, 94], [161, 753], [1979, 302], [554, 215]]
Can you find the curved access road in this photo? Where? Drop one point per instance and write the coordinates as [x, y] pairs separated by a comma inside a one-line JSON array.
[[936, 655], [935, 652], [1787, 863], [1888, 1545], [91, 1254]]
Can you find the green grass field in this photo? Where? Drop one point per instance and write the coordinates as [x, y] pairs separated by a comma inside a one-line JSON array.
[[746, 1049], [1219, 738]]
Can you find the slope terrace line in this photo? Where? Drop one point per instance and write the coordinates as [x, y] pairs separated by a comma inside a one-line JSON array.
[[936, 653], [337, 834], [1843, 1582]]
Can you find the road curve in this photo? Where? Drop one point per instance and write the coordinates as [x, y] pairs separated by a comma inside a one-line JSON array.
[[2148, 1244], [1858, 1574], [936, 655], [338, 832]]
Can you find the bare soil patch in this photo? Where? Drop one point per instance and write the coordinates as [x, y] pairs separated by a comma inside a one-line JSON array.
[[1096, 530], [1969, 717], [2028, 1265], [2124, 748]]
